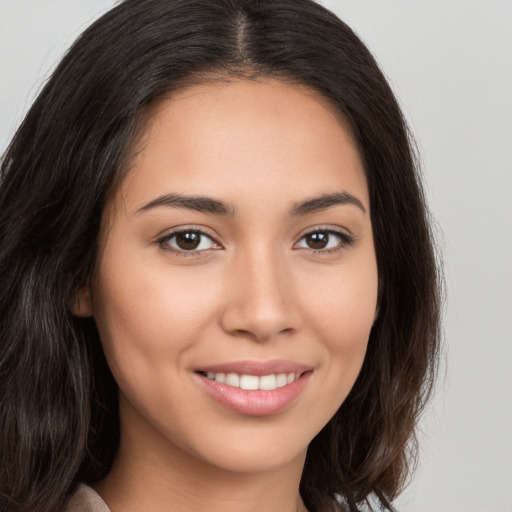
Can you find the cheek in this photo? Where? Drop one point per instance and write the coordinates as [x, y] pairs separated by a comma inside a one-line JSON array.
[[149, 323], [343, 313], [151, 317], [344, 302]]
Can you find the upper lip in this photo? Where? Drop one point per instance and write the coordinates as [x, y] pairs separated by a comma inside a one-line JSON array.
[[257, 368]]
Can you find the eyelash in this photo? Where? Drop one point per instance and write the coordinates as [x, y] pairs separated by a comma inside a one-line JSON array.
[[346, 240]]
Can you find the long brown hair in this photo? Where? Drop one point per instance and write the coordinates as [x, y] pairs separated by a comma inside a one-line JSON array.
[[58, 400]]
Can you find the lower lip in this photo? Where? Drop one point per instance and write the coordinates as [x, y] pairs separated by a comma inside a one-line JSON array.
[[255, 402]]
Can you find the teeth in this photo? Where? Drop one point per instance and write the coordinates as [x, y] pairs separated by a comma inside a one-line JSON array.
[[232, 379], [267, 382], [253, 382], [249, 382], [281, 380]]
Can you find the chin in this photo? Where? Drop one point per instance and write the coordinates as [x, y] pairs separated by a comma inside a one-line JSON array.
[[244, 460]]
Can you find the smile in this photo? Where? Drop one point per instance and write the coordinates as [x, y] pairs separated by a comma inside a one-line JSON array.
[[254, 382], [255, 388]]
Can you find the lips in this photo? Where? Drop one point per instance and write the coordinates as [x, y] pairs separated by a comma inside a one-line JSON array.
[[263, 382], [255, 388], [256, 367]]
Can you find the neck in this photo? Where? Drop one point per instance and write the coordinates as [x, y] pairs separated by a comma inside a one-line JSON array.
[[150, 473], [130, 488]]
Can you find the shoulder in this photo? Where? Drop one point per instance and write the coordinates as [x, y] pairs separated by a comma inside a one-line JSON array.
[[85, 499]]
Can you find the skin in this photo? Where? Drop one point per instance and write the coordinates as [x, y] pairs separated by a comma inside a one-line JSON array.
[[257, 292]]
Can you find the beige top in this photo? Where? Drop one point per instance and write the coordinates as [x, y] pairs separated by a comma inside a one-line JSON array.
[[85, 499]]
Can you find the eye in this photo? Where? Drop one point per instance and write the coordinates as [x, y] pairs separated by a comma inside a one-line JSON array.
[[325, 240], [188, 241]]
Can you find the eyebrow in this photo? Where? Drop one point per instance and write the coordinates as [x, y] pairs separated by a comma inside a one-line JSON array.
[[206, 204], [198, 203], [326, 201]]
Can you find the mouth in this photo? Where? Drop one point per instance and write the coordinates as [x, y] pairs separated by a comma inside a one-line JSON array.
[[255, 389], [253, 382]]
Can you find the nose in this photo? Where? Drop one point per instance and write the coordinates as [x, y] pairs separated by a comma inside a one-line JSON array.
[[261, 300]]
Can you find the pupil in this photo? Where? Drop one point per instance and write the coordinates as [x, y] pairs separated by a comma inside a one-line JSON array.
[[188, 240], [317, 240]]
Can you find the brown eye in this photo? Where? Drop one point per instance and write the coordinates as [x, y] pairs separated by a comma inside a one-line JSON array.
[[188, 241], [317, 240], [327, 240]]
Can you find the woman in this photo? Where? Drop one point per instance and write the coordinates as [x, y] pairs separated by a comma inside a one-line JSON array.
[[219, 288]]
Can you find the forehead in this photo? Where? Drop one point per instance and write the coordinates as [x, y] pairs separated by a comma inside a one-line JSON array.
[[241, 137]]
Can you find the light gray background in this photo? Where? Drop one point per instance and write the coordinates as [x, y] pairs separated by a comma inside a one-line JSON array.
[[450, 63]]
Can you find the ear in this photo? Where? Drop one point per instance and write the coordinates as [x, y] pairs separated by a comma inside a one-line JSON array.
[[82, 302]]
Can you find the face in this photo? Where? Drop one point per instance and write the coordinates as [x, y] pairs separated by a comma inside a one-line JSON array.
[[236, 284]]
